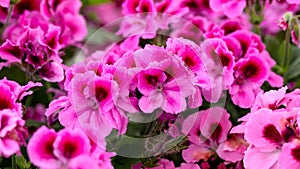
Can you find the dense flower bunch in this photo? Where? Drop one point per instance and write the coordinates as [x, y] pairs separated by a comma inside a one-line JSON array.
[[184, 84], [13, 132], [271, 129], [66, 149], [37, 32]]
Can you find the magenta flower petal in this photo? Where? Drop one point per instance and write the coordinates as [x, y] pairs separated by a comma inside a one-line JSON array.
[[6, 98], [146, 6], [129, 6]]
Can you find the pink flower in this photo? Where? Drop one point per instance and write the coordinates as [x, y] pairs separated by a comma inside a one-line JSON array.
[[12, 132], [69, 144], [263, 130], [231, 8], [289, 157], [40, 148], [160, 90], [272, 99], [212, 124], [64, 13], [219, 63], [250, 73], [65, 149], [189, 53], [26, 5], [8, 99], [205, 131], [164, 164], [11, 93], [231, 26]]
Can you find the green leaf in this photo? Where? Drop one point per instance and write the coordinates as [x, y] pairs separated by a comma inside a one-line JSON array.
[[272, 47], [294, 69], [33, 123], [22, 162], [94, 2], [120, 162]]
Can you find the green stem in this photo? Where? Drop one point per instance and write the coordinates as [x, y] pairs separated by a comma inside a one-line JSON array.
[[286, 50], [28, 100], [10, 9], [13, 162]]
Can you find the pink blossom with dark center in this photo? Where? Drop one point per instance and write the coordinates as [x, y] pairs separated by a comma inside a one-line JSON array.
[[206, 130], [40, 148], [69, 144], [249, 74], [159, 90], [289, 157], [65, 149]]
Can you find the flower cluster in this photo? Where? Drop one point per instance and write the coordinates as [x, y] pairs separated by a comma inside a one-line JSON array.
[[12, 130], [246, 65], [37, 32], [271, 129], [66, 149]]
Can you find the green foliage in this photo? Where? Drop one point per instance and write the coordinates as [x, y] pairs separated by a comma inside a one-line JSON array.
[[120, 162], [94, 2], [22, 163]]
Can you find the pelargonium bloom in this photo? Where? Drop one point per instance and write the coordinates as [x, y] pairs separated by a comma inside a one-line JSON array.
[[289, 157], [159, 90], [249, 73], [231, 8], [68, 145], [206, 130], [40, 148], [65, 149], [12, 132], [220, 63], [268, 131], [12, 93]]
